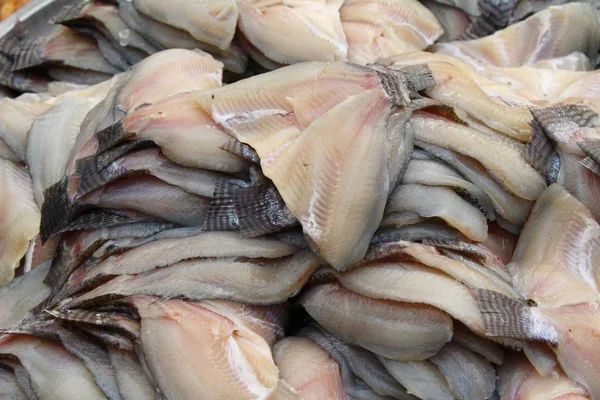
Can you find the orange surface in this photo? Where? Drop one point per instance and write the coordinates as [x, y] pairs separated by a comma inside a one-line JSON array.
[[7, 7]]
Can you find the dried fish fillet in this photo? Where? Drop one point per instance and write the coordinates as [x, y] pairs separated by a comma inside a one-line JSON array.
[[382, 28], [439, 202], [308, 369], [252, 281], [133, 385], [502, 161], [16, 118], [415, 283], [292, 31], [469, 375], [400, 331], [453, 20], [517, 379], [185, 134], [194, 352], [210, 22], [559, 269], [421, 378], [42, 360], [19, 217], [554, 32]]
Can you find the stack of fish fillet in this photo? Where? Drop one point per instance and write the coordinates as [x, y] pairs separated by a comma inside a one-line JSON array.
[[87, 41], [425, 226]]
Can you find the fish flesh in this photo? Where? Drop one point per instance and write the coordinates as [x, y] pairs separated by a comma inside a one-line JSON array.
[[381, 28], [399, 331], [16, 119], [308, 369], [19, 217]]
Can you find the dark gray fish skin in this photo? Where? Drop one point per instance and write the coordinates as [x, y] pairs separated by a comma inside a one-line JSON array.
[[357, 366], [540, 153], [506, 317], [241, 150], [427, 230], [495, 15], [592, 162], [21, 375], [111, 321]]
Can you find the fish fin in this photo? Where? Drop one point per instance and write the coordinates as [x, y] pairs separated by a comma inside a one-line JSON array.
[[419, 77], [111, 136], [221, 214], [261, 210], [101, 218], [241, 150], [540, 153], [590, 164], [507, 317], [395, 85], [57, 210]]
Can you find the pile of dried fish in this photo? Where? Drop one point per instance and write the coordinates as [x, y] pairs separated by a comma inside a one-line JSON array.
[[425, 226]]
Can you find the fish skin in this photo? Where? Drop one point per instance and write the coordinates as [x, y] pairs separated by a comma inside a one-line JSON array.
[[19, 217], [276, 27], [298, 360], [469, 375], [248, 283], [469, 340], [550, 34], [392, 281], [350, 316], [240, 364], [133, 385], [453, 20], [21, 375], [9, 389], [54, 372]]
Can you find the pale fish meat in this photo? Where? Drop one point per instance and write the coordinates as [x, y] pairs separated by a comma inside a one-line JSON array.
[[279, 28], [469, 375], [437, 173], [211, 22], [560, 269], [308, 369], [19, 218], [453, 20], [575, 61], [415, 283], [381, 28], [185, 133], [396, 330], [439, 202], [16, 118], [507, 206], [554, 32], [253, 281], [317, 141], [194, 352], [503, 161], [517, 379], [54, 372], [50, 140], [421, 378]]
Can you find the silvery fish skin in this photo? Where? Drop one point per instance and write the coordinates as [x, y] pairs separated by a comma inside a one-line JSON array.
[[421, 378], [133, 384], [400, 331], [9, 387], [469, 340], [298, 359]]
